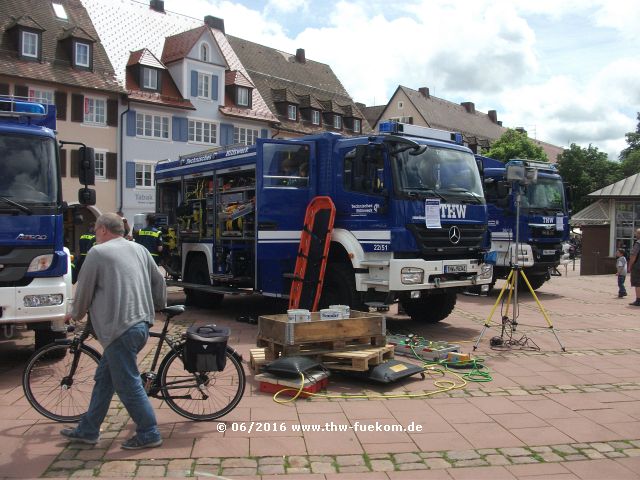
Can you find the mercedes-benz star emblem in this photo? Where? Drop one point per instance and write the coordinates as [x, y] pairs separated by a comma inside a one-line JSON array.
[[454, 235]]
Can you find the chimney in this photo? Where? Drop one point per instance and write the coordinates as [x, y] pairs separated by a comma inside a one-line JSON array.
[[521, 130], [157, 5], [469, 107], [300, 58], [424, 91], [214, 22], [493, 116]]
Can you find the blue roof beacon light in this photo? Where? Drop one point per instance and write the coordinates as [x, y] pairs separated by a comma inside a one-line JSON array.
[[422, 132]]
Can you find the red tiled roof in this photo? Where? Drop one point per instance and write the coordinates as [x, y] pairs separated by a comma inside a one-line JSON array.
[[234, 77], [176, 47], [145, 57]]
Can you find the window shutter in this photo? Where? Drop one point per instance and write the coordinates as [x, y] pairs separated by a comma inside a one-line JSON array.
[[131, 123], [4, 89], [63, 163], [226, 134], [21, 91], [77, 107], [214, 87], [131, 175], [112, 113], [60, 99], [264, 133], [112, 165], [75, 155], [184, 129], [176, 129], [194, 83]]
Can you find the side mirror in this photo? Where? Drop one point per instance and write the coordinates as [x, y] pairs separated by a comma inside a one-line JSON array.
[[86, 167], [87, 196], [568, 196]]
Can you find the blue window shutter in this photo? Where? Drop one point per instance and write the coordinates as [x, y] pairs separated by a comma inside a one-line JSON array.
[[226, 134], [194, 83], [214, 87], [131, 175], [131, 123], [264, 133], [184, 129]]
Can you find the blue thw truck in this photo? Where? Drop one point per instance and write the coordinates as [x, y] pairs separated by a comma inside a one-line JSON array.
[[409, 226], [35, 266], [544, 217]]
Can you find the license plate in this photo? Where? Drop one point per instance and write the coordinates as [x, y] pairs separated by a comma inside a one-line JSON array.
[[548, 252], [455, 268]]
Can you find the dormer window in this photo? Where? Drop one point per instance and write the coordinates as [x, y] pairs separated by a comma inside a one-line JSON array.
[[242, 94], [315, 117], [204, 52], [30, 44], [82, 55], [337, 122], [292, 112], [356, 125], [150, 78]]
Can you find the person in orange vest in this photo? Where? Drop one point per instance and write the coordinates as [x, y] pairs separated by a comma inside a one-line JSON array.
[[151, 238]]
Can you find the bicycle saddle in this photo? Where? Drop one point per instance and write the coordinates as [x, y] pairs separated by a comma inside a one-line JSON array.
[[173, 310]]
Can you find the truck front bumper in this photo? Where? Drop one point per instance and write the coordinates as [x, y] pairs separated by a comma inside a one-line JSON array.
[[16, 310], [418, 274]]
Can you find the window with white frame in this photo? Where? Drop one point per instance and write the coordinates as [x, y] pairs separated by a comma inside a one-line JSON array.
[[244, 136], [42, 96], [203, 132], [315, 117], [95, 110], [150, 78], [82, 54], [100, 164], [30, 44], [204, 81], [337, 121], [152, 126], [243, 97], [144, 175], [356, 125], [292, 112], [204, 53]]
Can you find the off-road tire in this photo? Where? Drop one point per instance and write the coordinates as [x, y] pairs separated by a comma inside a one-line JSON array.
[[430, 308]]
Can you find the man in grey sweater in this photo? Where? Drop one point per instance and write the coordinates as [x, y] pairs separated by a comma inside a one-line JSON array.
[[120, 286]]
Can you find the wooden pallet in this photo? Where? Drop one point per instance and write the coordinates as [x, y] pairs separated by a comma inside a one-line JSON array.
[[357, 360], [275, 349]]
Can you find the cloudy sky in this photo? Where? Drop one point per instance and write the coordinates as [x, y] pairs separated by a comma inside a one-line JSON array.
[[567, 71]]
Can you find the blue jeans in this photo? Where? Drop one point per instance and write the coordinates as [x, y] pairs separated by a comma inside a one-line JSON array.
[[621, 289], [118, 372]]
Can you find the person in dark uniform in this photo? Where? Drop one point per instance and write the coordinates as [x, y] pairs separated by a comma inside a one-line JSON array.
[[151, 238], [87, 241]]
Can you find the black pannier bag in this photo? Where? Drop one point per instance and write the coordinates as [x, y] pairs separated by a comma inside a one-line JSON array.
[[205, 348]]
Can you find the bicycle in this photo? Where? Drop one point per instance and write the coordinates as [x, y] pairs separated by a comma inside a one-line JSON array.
[[60, 388]]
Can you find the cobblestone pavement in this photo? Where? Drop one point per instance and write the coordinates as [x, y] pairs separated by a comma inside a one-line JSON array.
[[546, 414]]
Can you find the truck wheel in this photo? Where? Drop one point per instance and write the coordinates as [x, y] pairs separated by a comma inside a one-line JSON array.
[[430, 308], [339, 287], [536, 282], [45, 337], [197, 272]]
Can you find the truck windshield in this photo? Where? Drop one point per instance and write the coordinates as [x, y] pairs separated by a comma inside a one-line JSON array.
[[449, 174], [29, 171], [547, 194]]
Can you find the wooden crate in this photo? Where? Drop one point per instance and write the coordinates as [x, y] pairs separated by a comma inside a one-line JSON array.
[[357, 360], [281, 337]]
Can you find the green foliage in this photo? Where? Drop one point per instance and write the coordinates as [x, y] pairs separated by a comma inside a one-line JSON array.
[[631, 163], [633, 140], [587, 170], [514, 144]]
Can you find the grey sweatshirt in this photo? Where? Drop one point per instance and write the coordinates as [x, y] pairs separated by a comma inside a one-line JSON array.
[[119, 285]]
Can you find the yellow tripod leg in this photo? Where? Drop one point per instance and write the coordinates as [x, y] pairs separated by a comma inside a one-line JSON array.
[[495, 305]]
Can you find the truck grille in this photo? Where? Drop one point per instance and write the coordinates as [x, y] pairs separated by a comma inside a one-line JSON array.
[[434, 243]]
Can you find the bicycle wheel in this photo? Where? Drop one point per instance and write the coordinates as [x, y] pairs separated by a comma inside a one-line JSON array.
[[204, 395], [51, 391]]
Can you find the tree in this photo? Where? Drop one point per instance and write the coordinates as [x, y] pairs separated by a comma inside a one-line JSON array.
[[630, 156], [515, 144], [587, 170]]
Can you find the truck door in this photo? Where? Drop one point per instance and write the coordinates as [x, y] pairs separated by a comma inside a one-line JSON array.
[[362, 197], [286, 183]]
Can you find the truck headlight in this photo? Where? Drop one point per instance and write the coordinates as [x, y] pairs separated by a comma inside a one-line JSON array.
[[486, 271], [411, 275], [40, 263], [46, 300]]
